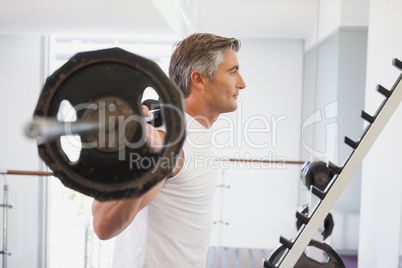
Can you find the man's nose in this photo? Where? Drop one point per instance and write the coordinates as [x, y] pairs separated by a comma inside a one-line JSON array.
[[241, 83]]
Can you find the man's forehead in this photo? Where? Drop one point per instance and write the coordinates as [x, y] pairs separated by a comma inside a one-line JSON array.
[[230, 59]]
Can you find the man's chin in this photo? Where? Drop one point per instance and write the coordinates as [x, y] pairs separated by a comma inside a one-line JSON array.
[[230, 109]]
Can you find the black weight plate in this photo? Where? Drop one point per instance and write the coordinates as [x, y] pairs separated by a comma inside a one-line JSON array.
[[335, 261], [112, 76]]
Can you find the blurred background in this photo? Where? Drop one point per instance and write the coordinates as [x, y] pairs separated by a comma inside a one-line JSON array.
[[310, 67]]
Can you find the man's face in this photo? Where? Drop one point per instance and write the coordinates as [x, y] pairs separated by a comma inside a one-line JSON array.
[[223, 92]]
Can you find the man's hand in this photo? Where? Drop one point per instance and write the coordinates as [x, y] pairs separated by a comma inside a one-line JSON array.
[[154, 136]]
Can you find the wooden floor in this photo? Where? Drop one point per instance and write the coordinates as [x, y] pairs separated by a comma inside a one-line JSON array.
[[350, 261], [235, 257]]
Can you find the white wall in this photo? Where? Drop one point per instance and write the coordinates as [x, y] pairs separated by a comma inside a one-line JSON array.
[[20, 83], [262, 200], [335, 15], [382, 180], [334, 88]]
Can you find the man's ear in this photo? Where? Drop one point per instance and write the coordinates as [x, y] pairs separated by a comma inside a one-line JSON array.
[[197, 80]]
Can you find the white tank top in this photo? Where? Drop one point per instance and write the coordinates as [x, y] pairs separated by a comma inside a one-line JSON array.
[[173, 230]]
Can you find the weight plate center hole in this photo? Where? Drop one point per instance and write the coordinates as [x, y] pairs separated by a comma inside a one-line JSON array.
[[117, 124]]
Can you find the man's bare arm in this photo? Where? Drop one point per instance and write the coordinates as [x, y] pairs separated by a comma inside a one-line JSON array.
[[110, 218]]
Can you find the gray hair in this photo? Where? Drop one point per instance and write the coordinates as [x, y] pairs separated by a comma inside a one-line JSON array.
[[202, 52]]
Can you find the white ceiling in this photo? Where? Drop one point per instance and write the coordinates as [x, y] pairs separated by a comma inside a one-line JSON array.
[[278, 19]]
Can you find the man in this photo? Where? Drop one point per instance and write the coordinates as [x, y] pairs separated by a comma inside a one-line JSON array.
[[169, 226]]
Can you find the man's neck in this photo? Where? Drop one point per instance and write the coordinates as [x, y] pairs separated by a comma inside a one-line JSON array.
[[200, 112]]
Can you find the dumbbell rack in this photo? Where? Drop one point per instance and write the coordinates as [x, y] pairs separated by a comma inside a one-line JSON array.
[[311, 223]]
